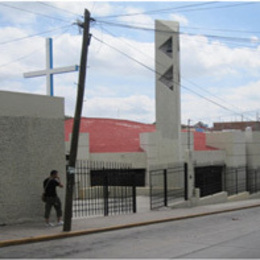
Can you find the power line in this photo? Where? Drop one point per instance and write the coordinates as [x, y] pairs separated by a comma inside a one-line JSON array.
[[151, 69], [218, 37], [184, 8], [184, 79], [60, 9], [220, 7], [126, 55], [220, 99], [138, 50], [22, 57], [157, 10], [219, 29], [209, 100], [31, 12], [34, 35], [18, 59]]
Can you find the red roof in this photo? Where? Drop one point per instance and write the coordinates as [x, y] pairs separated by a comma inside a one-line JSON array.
[[200, 142], [116, 136], [111, 135]]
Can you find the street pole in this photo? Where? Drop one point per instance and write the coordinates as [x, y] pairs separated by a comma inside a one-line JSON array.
[[76, 126]]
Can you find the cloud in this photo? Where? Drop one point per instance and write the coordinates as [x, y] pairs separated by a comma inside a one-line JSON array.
[[10, 13], [137, 108], [201, 57], [179, 18], [139, 19], [120, 56], [241, 100], [118, 86]]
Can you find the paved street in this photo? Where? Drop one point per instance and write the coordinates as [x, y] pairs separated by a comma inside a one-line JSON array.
[[227, 235]]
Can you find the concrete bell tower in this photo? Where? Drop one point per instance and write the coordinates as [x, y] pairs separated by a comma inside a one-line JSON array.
[[167, 56], [163, 147]]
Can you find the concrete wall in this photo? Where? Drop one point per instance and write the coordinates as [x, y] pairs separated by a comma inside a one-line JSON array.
[[32, 144], [136, 160], [160, 151], [233, 143], [208, 158], [83, 146], [253, 149]]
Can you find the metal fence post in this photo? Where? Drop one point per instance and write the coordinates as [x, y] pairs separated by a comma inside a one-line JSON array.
[[165, 188], [105, 192], [134, 192], [256, 181], [236, 175], [186, 181]]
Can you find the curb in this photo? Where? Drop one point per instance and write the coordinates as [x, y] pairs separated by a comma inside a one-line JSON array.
[[26, 240]]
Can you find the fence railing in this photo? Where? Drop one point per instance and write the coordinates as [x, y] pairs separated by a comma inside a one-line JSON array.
[[234, 180], [208, 179], [167, 185], [253, 180], [103, 189]]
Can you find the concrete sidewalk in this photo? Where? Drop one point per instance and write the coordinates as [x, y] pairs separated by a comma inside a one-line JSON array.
[[35, 232]]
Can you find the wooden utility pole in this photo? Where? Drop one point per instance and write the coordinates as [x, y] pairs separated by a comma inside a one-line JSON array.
[[76, 126]]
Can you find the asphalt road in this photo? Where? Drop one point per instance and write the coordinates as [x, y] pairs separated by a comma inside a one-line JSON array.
[[229, 235]]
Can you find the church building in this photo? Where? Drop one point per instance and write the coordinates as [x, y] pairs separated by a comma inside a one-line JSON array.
[[147, 146]]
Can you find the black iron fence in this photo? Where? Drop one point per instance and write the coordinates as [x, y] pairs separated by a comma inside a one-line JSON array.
[[253, 180], [235, 180], [167, 185], [103, 189], [208, 179]]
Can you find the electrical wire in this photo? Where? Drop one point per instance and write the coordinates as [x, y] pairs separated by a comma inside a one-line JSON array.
[[34, 35], [182, 8], [220, 99], [60, 9], [157, 10], [139, 51], [154, 71], [31, 12], [220, 7], [211, 36], [25, 56], [20, 58]]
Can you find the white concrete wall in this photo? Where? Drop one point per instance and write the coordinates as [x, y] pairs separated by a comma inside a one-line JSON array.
[[32, 144], [161, 151], [233, 143], [253, 149], [213, 157], [137, 160], [83, 146]]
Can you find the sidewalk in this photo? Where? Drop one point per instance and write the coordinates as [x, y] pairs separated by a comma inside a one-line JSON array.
[[34, 232]]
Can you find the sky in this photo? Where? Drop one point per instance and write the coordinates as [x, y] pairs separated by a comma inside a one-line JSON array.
[[219, 56]]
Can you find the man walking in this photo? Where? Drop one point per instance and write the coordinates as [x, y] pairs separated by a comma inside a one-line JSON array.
[[52, 199]]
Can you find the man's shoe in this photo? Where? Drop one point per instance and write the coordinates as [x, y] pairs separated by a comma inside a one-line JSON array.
[[60, 223], [49, 225]]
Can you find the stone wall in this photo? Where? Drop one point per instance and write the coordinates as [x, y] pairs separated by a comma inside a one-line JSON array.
[[31, 144]]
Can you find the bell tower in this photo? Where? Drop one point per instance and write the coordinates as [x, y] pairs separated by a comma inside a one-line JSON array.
[[167, 55]]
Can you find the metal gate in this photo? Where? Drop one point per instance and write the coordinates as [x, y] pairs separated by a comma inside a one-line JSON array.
[[103, 189], [166, 186]]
